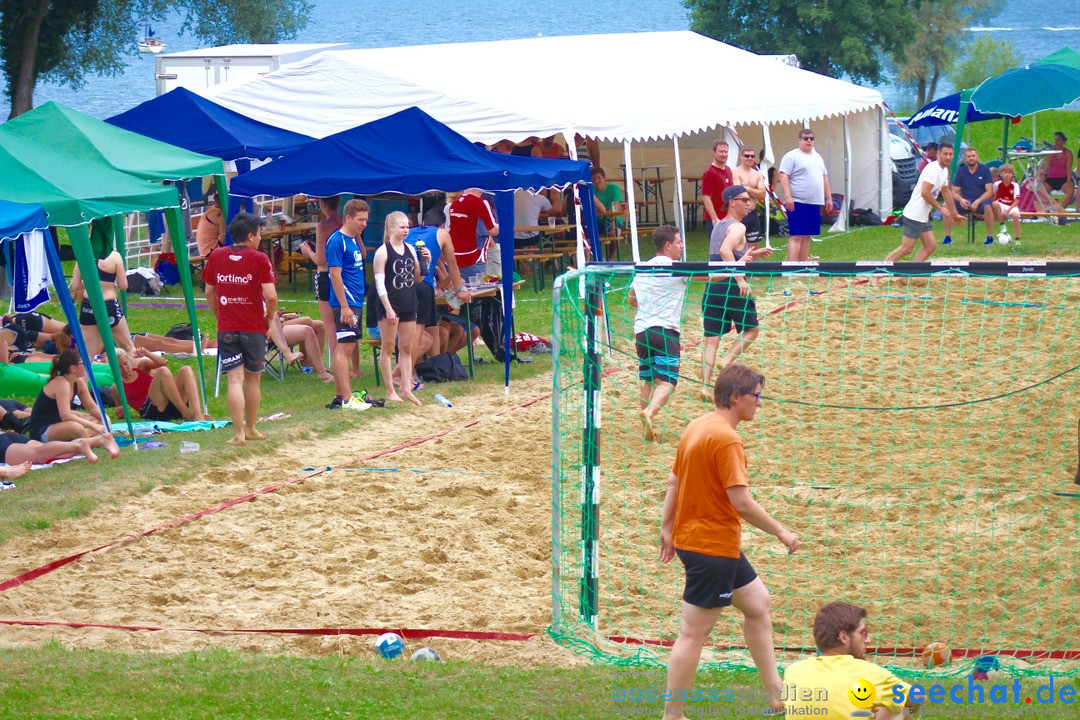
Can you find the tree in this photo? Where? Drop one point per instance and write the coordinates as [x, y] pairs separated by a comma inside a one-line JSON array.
[[831, 37], [64, 40], [984, 57], [931, 52]]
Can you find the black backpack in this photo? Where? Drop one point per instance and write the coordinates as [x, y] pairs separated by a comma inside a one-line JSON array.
[[180, 331], [444, 367], [864, 216]]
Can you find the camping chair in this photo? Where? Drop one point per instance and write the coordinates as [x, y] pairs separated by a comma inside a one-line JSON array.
[[275, 365]]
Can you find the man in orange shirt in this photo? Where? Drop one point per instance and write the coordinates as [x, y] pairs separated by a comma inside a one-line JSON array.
[[708, 496]]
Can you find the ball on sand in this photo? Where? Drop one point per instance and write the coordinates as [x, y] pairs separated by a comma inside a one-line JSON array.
[[426, 653], [390, 645], [936, 653]]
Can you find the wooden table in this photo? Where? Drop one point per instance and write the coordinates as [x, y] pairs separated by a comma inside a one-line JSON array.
[[653, 187], [612, 240], [272, 233], [546, 231]]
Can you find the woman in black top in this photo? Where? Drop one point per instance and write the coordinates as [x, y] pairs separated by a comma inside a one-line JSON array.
[[112, 275], [397, 272], [53, 419]]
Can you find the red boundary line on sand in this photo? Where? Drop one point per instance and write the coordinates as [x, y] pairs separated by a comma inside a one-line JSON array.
[[407, 633], [55, 564]]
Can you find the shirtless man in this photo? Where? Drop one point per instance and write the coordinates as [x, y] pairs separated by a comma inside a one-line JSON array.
[[748, 175]]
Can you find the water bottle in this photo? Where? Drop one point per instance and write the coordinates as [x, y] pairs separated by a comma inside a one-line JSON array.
[[420, 245], [442, 400], [188, 447]]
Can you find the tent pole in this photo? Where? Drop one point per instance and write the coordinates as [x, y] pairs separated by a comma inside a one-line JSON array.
[[571, 148], [504, 203], [679, 194], [842, 221], [961, 119], [79, 236], [1005, 139], [174, 219], [631, 202], [766, 162]]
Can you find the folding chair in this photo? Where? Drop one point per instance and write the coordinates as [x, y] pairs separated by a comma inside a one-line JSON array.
[[275, 365]]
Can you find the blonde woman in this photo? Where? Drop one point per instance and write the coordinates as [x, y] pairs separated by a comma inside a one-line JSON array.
[[396, 274]]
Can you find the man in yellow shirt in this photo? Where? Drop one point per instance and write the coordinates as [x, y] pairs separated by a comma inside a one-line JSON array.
[[840, 681]]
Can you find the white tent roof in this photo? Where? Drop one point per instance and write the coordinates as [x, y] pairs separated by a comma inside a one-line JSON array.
[[486, 92]]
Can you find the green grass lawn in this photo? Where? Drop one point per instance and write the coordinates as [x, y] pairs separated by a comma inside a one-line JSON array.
[[51, 681]]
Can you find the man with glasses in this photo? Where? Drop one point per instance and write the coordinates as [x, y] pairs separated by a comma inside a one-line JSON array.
[[708, 496], [805, 182], [840, 634], [726, 303], [749, 176]]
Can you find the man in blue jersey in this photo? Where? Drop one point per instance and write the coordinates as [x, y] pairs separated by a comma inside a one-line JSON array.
[[440, 246], [345, 263]]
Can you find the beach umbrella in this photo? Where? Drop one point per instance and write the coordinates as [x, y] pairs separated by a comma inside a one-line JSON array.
[[945, 111], [1028, 89]]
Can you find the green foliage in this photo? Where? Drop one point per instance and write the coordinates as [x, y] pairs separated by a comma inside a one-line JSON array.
[[831, 37], [64, 40], [932, 50], [984, 57]]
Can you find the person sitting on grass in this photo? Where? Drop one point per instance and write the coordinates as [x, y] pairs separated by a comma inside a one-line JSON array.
[[153, 391], [20, 452], [52, 417]]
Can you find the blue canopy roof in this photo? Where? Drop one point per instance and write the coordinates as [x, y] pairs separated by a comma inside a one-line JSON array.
[[190, 121], [16, 219], [946, 111], [408, 152]]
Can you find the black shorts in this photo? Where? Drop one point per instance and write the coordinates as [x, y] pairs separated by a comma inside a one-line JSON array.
[[347, 333], [722, 306], [409, 315], [32, 322], [242, 348], [427, 314], [149, 411], [658, 352], [752, 222], [710, 580], [112, 309], [1056, 183], [7, 439], [322, 286]]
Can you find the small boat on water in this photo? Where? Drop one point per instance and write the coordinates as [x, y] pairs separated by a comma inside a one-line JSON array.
[[151, 43]]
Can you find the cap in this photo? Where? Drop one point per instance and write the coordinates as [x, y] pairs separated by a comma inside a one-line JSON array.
[[733, 192]]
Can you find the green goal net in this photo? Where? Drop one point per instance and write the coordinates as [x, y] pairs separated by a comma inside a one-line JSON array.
[[918, 431]]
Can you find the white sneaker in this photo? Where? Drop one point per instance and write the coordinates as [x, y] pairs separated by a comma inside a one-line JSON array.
[[354, 404]]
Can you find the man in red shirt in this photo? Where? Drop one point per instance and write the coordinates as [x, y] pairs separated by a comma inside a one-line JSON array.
[[466, 210], [716, 179], [240, 290]]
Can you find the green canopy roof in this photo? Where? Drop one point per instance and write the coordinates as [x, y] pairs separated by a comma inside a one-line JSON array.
[[71, 190], [80, 136], [1064, 56]]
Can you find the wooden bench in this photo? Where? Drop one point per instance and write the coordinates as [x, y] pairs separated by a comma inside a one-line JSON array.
[[297, 263], [376, 346], [692, 207], [537, 261]]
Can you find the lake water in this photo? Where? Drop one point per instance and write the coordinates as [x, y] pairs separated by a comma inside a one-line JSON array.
[[1031, 25]]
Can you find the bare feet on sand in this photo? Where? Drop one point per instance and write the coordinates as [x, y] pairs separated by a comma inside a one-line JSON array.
[[10, 472], [647, 418], [253, 434], [412, 398]]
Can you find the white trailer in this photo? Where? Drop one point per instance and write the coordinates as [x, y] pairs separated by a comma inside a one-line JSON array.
[[200, 69]]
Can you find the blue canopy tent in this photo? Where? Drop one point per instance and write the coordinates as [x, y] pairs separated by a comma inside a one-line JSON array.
[[20, 227], [411, 153], [203, 126]]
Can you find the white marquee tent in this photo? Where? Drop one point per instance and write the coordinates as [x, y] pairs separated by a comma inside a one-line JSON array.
[[656, 90]]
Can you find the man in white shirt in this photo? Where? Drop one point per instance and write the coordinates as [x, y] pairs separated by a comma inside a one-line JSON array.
[[934, 179], [659, 302], [805, 182]]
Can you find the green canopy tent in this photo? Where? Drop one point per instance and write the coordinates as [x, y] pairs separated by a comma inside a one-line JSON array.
[[75, 136]]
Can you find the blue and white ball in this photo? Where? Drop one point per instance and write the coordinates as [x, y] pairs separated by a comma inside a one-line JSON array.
[[426, 653], [390, 645]]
